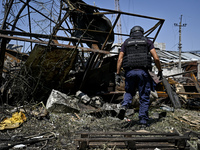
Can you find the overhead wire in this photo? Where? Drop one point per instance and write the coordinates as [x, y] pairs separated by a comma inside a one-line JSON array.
[[175, 35]]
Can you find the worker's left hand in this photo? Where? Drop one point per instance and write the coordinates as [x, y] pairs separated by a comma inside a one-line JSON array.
[[117, 79], [160, 75]]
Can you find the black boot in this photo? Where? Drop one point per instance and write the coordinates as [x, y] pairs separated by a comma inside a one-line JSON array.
[[122, 112]]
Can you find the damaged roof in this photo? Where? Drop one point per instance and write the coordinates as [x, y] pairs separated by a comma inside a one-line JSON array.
[[173, 56]]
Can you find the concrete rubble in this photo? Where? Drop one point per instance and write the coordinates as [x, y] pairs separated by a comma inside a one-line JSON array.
[[61, 103], [77, 83]]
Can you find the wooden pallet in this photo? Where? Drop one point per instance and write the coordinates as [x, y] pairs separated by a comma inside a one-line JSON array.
[[132, 140]]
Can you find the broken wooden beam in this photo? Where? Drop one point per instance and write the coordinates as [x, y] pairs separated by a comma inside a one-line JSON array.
[[180, 73], [138, 139], [194, 79], [127, 133], [188, 93]]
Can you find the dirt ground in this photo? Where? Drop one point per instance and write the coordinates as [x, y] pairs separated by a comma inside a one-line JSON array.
[[61, 129]]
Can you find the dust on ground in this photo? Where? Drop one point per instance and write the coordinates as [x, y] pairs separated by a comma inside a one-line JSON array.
[[64, 127]]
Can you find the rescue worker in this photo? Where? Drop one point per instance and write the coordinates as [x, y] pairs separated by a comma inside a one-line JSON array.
[[135, 56]]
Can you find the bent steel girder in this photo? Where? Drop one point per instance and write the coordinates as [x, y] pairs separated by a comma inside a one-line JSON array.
[[3, 41], [82, 15], [96, 12], [44, 18]]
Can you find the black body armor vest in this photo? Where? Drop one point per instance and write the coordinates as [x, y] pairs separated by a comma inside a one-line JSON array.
[[137, 54]]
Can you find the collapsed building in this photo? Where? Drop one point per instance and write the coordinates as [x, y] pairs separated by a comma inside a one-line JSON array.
[[87, 63], [69, 67], [83, 61]]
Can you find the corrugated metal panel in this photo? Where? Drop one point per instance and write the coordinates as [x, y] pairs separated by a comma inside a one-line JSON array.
[[173, 56], [166, 60], [190, 56], [197, 54], [167, 54]]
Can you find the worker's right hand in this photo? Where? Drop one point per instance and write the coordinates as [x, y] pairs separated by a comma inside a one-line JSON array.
[[117, 79]]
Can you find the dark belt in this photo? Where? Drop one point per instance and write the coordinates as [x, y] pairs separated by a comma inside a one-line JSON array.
[[136, 68]]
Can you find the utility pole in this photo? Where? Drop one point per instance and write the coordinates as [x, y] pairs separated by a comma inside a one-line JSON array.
[[180, 45], [119, 26]]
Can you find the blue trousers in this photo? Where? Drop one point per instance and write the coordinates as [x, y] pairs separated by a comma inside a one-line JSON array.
[[138, 79]]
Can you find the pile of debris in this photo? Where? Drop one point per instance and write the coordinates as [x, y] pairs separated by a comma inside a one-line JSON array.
[[63, 96], [67, 122]]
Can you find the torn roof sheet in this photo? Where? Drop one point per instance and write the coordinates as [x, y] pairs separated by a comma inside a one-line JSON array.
[[173, 56]]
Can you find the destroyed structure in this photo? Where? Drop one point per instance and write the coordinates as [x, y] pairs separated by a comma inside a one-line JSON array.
[[83, 62]]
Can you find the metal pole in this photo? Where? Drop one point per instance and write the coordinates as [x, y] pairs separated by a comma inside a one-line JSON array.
[[180, 45]]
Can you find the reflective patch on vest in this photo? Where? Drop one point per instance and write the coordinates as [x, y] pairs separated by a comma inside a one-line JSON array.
[[136, 42]]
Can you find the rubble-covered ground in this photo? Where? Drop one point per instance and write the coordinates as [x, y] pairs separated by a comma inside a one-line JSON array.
[[61, 129]]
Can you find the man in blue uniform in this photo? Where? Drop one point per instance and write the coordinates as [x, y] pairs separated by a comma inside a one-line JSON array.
[[135, 56]]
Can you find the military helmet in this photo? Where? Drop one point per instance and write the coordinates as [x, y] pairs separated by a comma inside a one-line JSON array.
[[137, 29]]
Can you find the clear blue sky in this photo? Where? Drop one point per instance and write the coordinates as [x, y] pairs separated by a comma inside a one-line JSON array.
[[170, 10]]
